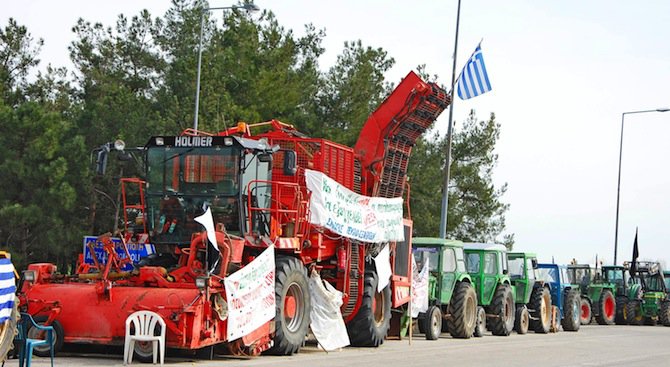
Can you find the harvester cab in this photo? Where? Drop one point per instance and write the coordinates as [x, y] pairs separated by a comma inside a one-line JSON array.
[[564, 295], [451, 295], [647, 294], [532, 297], [488, 267], [597, 295]]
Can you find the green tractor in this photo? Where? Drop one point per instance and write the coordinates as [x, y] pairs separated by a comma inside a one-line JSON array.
[[487, 265], [451, 296], [618, 275], [597, 296], [532, 296], [648, 302]]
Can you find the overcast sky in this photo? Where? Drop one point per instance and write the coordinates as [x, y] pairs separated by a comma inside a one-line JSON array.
[[562, 73]]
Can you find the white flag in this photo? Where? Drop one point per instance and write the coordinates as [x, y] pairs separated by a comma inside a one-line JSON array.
[[208, 221]]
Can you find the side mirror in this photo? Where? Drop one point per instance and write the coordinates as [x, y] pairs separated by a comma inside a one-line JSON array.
[[290, 163], [534, 262], [265, 158], [101, 155]]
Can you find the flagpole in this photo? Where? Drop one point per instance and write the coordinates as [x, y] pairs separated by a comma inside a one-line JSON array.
[[445, 189]]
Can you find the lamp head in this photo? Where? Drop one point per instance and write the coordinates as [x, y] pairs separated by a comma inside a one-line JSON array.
[[663, 109], [251, 7]]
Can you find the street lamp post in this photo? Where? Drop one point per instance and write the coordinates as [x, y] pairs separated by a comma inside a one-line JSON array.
[[250, 7], [618, 188]]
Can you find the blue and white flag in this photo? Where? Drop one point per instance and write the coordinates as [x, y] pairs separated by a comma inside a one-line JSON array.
[[473, 80], [7, 289]]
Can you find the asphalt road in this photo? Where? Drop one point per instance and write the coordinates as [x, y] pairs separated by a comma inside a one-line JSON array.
[[593, 345]]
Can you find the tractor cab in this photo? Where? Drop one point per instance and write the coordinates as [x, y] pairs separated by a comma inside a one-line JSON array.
[[581, 274]]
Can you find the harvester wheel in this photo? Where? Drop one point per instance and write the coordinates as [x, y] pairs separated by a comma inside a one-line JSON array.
[[463, 311], [480, 324], [503, 307], [293, 304], [664, 316], [540, 303], [607, 307], [433, 323], [34, 333], [8, 331], [620, 317], [634, 312], [522, 320], [371, 323], [584, 311], [571, 314]]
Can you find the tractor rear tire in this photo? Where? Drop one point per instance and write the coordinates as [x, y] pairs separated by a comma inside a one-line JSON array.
[[620, 317], [634, 312], [522, 320], [607, 307], [462, 311], [585, 311], [43, 350], [293, 303], [433, 323], [503, 307], [371, 323], [571, 314], [8, 331], [540, 303], [480, 322], [664, 316]]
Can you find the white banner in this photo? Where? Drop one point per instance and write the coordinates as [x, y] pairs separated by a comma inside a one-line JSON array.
[[368, 219], [326, 320], [383, 266], [419, 288], [250, 292]]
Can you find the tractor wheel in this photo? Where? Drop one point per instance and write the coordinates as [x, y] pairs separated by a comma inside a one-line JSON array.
[[570, 321], [540, 303], [433, 323], [8, 331], [462, 311], [503, 307], [522, 320], [34, 333], [293, 305], [634, 312], [620, 316], [370, 325], [606, 308], [664, 316], [480, 323], [585, 311]]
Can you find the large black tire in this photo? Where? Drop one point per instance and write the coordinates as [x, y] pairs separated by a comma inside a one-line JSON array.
[[293, 304], [664, 316], [8, 331], [371, 323], [462, 311], [620, 317], [607, 308], [540, 304], [433, 323], [480, 323], [503, 307], [522, 320], [571, 314], [634, 312], [43, 350], [584, 311]]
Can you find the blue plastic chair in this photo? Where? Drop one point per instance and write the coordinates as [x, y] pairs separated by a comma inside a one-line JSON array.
[[26, 344]]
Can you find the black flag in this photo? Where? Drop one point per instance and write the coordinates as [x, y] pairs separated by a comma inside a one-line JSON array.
[[635, 255]]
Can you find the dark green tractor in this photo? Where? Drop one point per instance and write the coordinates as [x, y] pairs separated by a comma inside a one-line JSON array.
[[648, 302], [618, 275], [597, 295], [451, 296], [487, 265], [532, 296]]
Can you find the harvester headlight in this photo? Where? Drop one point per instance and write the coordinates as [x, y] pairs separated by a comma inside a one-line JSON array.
[[119, 145], [227, 141], [160, 141], [29, 275], [201, 282]]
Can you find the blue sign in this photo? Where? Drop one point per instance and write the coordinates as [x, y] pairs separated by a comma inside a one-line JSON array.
[[136, 251]]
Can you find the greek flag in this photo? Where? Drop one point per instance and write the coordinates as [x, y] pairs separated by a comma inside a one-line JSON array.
[[473, 80], [7, 289]]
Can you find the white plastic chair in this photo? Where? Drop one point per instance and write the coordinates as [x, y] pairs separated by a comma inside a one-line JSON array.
[[144, 324]]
